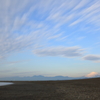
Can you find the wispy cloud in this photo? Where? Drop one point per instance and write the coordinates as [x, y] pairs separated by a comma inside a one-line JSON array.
[[18, 31], [80, 38], [26, 24], [81, 4], [55, 36], [88, 14], [75, 22], [60, 51]]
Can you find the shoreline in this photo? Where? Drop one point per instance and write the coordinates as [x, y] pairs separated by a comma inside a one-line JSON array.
[[5, 83], [86, 89]]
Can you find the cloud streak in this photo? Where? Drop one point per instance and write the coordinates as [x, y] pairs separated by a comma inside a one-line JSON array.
[[60, 51]]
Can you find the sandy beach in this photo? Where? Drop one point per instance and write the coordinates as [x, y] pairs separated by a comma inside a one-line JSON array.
[[87, 89]]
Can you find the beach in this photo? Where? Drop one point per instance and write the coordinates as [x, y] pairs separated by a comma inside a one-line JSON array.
[[85, 89]]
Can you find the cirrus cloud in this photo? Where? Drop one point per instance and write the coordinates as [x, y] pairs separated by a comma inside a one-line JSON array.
[[23, 27]]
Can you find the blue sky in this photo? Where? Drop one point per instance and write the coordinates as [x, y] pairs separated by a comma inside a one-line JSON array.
[[49, 38]]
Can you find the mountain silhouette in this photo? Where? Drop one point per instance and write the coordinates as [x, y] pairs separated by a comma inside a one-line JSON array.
[[39, 77]]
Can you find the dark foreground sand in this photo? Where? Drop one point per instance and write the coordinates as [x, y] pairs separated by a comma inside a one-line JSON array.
[[88, 89]]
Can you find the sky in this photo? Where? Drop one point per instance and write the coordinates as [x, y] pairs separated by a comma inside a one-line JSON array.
[[49, 38]]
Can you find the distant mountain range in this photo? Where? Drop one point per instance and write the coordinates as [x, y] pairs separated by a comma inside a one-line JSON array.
[[39, 77]]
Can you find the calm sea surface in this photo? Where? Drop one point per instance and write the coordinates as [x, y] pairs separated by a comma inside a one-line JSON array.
[[5, 83]]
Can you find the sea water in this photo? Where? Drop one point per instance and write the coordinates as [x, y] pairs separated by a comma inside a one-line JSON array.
[[5, 83]]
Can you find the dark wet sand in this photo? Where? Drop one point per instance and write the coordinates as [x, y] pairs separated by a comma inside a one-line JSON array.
[[87, 89]]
